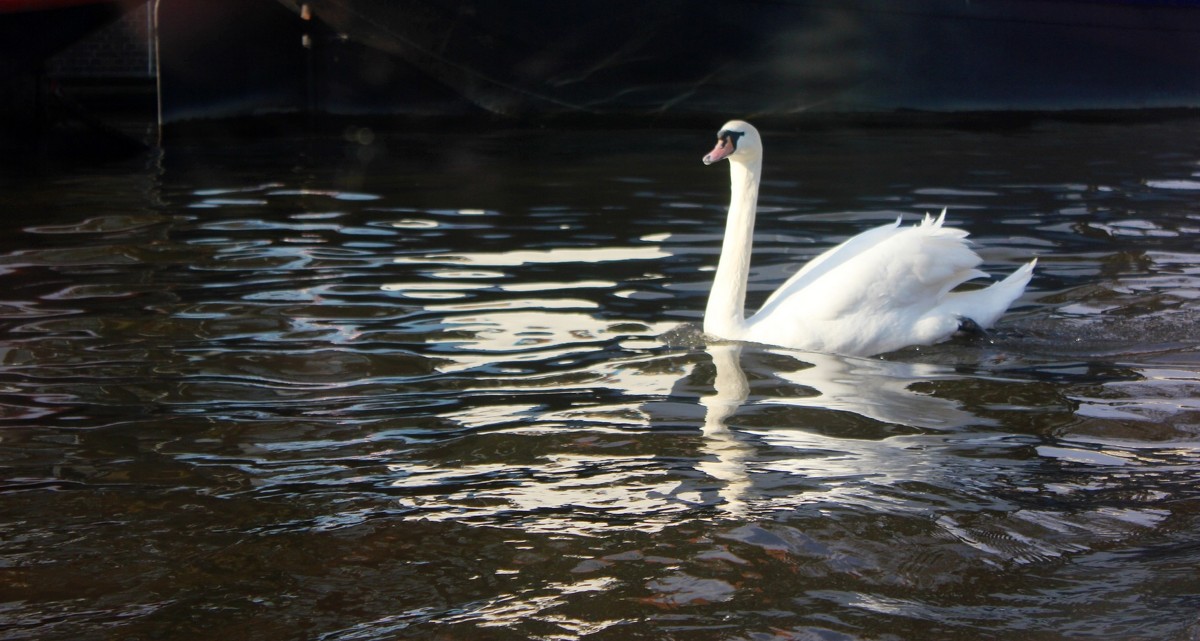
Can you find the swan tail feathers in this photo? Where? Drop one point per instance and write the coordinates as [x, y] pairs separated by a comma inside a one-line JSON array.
[[985, 306]]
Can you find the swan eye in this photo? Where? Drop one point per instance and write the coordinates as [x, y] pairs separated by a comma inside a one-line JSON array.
[[728, 137]]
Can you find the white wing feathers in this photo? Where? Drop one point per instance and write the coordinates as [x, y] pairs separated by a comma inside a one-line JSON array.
[[883, 267], [885, 288], [831, 259]]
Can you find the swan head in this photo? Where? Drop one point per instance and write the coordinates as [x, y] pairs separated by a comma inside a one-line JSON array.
[[738, 141]]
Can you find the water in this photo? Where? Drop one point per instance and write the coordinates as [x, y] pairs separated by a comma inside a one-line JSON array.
[[448, 385]]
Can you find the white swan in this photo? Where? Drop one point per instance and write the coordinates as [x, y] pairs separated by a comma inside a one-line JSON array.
[[884, 289]]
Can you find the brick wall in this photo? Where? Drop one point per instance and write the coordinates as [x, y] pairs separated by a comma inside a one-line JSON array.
[[123, 49]]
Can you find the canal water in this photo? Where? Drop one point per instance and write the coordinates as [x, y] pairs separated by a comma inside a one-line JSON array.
[[450, 385]]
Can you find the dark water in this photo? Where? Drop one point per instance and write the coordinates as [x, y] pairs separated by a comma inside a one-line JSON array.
[[447, 385]]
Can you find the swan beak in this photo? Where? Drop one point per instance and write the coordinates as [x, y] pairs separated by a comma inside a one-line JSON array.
[[724, 148]]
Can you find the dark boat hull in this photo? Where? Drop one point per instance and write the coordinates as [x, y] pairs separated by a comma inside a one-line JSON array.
[[616, 56], [710, 58]]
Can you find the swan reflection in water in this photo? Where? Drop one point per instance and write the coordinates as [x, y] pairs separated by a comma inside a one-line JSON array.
[[727, 452], [875, 395]]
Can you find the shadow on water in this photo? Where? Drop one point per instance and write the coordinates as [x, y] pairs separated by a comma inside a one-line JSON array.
[[432, 385]]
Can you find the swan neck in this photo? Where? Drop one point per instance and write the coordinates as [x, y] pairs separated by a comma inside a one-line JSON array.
[[725, 315]]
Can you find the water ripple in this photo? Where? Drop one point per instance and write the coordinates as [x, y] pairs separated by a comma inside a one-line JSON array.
[[360, 399]]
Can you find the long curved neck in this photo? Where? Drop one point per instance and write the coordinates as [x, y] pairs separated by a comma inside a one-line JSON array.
[[725, 315]]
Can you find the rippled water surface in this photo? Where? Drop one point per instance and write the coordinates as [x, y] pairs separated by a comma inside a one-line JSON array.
[[447, 385]]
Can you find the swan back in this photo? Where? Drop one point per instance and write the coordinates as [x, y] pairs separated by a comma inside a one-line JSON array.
[[877, 292], [915, 262]]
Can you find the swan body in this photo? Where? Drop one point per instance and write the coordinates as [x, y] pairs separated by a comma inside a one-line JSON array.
[[884, 289]]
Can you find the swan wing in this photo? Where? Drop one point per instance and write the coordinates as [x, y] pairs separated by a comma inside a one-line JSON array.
[[884, 297], [884, 268], [832, 258]]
